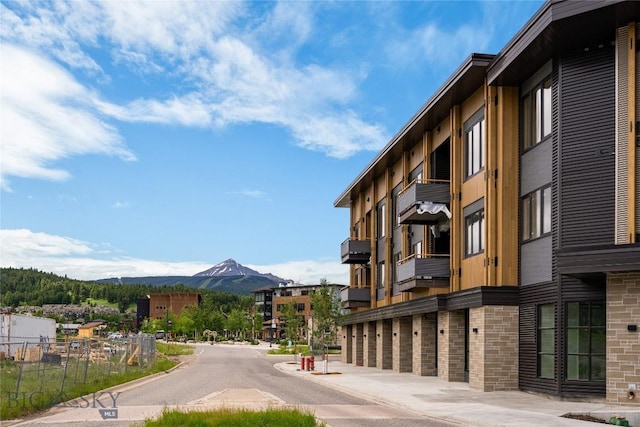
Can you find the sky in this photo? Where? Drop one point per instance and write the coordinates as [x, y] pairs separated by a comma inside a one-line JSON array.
[[154, 138]]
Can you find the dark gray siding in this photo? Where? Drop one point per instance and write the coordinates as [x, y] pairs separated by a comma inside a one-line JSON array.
[[530, 298], [583, 207], [586, 144], [536, 167], [536, 261]]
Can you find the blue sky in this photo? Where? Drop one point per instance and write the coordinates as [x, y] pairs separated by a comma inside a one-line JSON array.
[[145, 138]]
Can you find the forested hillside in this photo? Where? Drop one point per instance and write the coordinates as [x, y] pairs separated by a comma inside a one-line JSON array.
[[33, 287]]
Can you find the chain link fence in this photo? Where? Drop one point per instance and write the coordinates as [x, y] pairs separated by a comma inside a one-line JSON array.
[[43, 366]]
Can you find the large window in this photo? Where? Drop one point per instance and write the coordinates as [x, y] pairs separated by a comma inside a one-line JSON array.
[[474, 144], [536, 213], [546, 341], [586, 341], [474, 226], [537, 114]]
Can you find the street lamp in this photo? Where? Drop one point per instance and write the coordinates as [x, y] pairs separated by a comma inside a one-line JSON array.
[[273, 327]]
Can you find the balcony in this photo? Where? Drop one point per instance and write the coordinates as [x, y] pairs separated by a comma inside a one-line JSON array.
[[355, 251], [356, 297], [423, 271], [413, 202]]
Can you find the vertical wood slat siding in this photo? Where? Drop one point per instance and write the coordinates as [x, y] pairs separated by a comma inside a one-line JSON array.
[[622, 151], [637, 181], [587, 163]]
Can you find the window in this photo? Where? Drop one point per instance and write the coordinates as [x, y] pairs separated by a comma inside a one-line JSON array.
[[586, 341], [380, 278], [474, 226], [396, 214], [382, 219], [299, 307], [537, 114], [474, 144], [536, 214], [546, 341]]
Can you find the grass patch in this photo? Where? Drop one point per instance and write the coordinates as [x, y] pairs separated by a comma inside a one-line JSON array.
[[170, 349], [285, 349], [236, 418], [42, 390], [101, 302]]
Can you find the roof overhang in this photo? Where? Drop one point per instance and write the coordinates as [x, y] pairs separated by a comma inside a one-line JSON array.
[[468, 78], [597, 261], [558, 26]]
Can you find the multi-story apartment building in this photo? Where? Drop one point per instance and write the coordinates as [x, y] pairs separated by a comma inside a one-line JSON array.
[[158, 306], [494, 239], [270, 301]]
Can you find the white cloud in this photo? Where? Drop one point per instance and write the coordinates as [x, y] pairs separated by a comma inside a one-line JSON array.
[[220, 65], [431, 44], [86, 261], [121, 205], [256, 194], [46, 116]]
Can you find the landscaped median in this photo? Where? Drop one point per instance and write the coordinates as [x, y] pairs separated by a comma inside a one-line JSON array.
[[237, 418]]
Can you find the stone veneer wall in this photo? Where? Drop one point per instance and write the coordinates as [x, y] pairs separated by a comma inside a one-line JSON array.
[[424, 344], [493, 349], [402, 344], [384, 346], [346, 355], [357, 344], [451, 345], [623, 346], [369, 345]]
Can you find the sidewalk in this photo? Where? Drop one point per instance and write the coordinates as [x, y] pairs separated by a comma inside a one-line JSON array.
[[456, 402]]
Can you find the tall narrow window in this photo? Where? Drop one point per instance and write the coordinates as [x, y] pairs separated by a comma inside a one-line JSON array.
[[546, 341], [394, 199], [586, 341], [536, 213], [474, 225], [474, 144], [537, 114]]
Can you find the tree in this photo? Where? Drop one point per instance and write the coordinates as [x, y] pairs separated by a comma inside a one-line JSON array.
[[237, 322], [184, 324], [215, 322], [326, 315], [292, 321]]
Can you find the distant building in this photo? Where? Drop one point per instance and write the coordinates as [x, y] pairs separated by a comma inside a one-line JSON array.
[[156, 306], [90, 329], [270, 301]]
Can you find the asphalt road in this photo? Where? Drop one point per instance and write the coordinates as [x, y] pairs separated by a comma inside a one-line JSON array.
[[225, 375]]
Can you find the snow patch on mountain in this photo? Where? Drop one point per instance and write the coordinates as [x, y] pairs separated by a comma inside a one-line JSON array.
[[230, 267]]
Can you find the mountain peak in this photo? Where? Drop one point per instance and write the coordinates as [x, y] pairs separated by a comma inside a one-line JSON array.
[[231, 267]]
